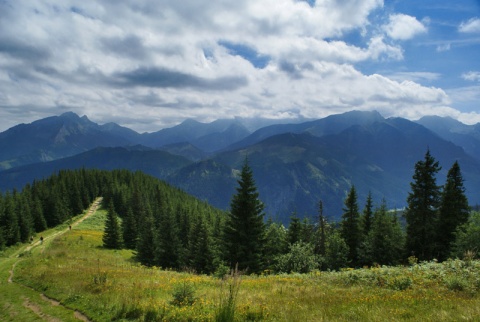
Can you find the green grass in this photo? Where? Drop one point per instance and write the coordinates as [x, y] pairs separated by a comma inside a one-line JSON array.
[[108, 285]]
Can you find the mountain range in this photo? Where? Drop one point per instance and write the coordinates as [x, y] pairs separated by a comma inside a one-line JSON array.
[[294, 165]]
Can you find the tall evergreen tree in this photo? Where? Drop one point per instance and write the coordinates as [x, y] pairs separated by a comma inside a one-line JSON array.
[[146, 241], [454, 210], [422, 210], [112, 236], [294, 233], [130, 231], [169, 252], [245, 231], [367, 217], [350, 226], [321, 232], [385, 238], [200, 250]]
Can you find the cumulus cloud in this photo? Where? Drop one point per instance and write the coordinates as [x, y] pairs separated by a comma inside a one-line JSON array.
[[470, 26], [150, 64], [403, 27]]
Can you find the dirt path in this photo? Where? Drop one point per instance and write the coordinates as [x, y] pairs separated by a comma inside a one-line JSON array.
[[27, 303]]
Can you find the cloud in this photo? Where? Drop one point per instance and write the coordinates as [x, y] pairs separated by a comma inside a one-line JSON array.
[[470, 26], [403, 27], [414, 76], [471, 76], [165, 78], [443, 47], [152, 63]]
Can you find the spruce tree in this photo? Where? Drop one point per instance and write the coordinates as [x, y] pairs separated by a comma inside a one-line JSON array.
[[112, 236], [422, 210], [350, 226], [200, 249], [385, 238], [294, 233], [245, 231], [367, 217], [146, 241], [321, 232], [168, 246], [454, 210], [130, 231]]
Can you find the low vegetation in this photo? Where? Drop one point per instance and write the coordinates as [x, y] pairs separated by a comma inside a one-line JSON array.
[[109, 285]]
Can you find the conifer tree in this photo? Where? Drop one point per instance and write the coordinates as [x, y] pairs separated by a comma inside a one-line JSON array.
[[168, 247], [367, 217], [200, 250], [350, 226], [454, 210], [275, 242], [385, 238], [245, 231], [130, 231], [321, 232], [146, 241], [294, 229], [112, 236], [39, 222], [422, 210]]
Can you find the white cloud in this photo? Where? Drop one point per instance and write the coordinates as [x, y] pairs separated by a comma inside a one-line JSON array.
[[150, 64], [443, 47], [471, 76], [470, 26], [403, 27]]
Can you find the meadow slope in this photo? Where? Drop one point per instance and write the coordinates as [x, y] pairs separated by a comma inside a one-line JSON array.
[[75, 271]]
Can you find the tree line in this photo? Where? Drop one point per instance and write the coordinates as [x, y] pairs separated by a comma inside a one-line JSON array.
[[168, 228]]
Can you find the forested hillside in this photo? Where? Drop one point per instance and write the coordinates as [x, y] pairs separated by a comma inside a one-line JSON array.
[[168, 228], [148, 206]]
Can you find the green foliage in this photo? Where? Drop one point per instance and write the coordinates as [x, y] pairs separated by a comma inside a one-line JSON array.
[[275, 243], [350, 226], [467, 237], [336, 254], [385, 241], [112, 236], [183, 294], [299, 259], [422, 210], [454, 210], [226, 306], [245, 231]]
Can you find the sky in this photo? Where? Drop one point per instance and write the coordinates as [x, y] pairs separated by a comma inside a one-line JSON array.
[[148, 64]]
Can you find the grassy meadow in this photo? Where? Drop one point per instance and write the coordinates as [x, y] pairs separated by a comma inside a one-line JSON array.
[[107, 285]]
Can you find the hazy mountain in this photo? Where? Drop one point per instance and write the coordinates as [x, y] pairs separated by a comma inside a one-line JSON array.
[[329, 125], [466, 136], [61, 136], [138, 158], [58, 137], [294, 171], [208, 137], [295, 165]]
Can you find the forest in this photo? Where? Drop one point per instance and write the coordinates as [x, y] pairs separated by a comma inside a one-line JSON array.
[[170, 229]]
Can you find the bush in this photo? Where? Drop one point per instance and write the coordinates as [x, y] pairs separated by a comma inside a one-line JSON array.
[[300, 259], [183, 295]]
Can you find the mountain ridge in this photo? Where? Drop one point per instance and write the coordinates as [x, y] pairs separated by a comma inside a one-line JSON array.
[[295, 165]]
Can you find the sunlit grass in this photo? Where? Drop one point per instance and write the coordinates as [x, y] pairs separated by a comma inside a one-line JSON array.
[[108, 284]]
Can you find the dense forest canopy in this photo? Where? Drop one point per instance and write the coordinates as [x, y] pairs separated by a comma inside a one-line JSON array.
[[170, 229]]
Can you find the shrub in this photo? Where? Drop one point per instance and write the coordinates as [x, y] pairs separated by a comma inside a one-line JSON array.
[[183, 295], [300, 259]]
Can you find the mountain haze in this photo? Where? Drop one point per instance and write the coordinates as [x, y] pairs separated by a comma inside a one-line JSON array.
[[294, 165]]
